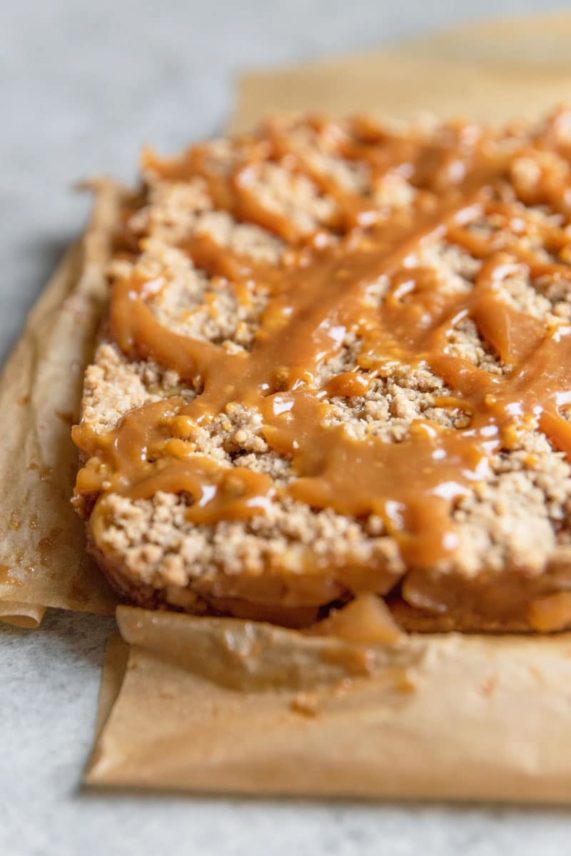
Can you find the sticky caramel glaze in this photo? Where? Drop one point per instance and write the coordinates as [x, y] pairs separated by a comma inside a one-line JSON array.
[[319, 292]]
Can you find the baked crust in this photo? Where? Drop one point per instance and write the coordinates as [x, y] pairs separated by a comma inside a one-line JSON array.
[[512, 528]]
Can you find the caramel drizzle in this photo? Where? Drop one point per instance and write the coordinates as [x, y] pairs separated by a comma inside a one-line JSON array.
[[320, 292]]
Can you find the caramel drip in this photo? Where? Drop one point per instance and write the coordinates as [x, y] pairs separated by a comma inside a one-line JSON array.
[[319, 293]]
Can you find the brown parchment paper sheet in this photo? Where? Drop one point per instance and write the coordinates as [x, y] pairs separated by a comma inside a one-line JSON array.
[[515, 67], [223, 705], [230, 706], [42, 557]]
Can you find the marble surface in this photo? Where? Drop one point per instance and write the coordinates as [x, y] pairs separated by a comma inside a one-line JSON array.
[[82, 86]]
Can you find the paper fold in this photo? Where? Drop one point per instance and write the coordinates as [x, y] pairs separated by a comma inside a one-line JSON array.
[[222, 705], [42, 557]]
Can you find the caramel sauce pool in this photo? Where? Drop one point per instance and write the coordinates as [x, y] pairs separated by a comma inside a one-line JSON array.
[[322, 290]]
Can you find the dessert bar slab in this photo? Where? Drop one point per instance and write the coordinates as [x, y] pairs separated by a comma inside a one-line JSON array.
[[336, 363]]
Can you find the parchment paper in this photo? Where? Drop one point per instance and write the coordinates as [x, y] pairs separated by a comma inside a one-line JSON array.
[[225, 705], [42, 557], [516, 67]]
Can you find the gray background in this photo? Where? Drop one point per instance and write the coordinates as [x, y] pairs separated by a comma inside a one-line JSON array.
[[82, 85]]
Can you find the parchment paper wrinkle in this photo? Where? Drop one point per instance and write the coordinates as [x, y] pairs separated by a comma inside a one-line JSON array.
[[451, 716], [42, 557]]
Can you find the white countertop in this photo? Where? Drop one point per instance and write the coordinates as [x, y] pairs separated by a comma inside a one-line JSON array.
[[83, 84]]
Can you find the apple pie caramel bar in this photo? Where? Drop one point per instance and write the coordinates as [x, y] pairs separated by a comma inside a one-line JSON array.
[[336, 362]]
